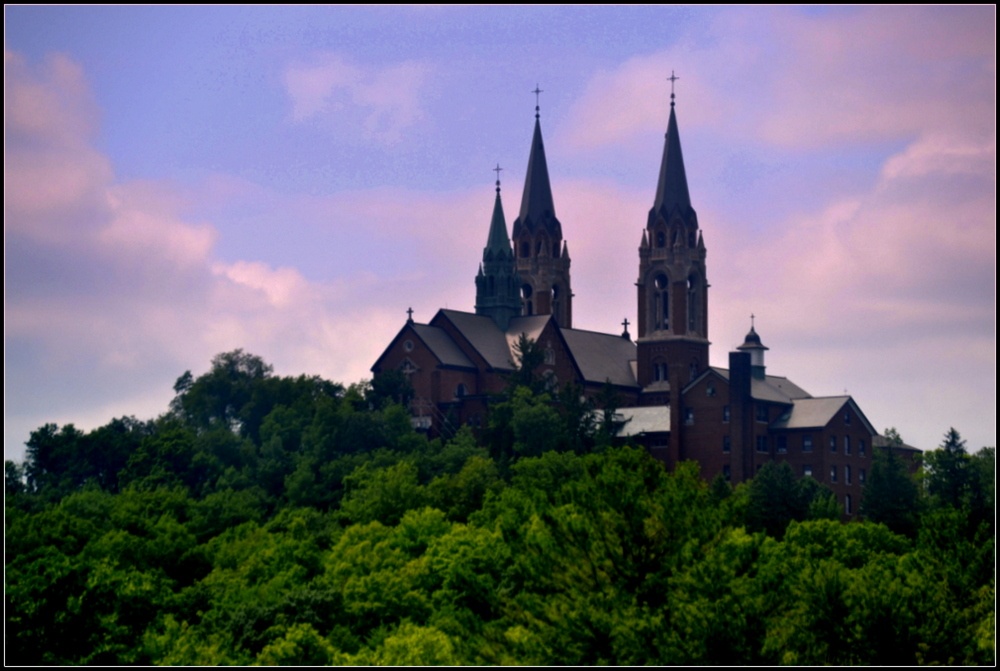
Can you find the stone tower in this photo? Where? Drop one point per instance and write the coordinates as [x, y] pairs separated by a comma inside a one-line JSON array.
[[542, 255], [497, 284], [672, 288]]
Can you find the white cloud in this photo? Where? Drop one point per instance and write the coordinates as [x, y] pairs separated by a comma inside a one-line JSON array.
[[379, 102]]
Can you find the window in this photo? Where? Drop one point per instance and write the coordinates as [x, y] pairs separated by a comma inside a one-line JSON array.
[[689, 416], [861, 448], [847, 444], [807, 470], [833, 443], [847, 417], [726, 444], [550, 356], [461, 390], [782, 444], [762, 443], [847, 475], [761, 412], [725, 413], [861, 477], [727, 472], [807, 443], [710, 390], [661, 303], [847, 504], [833, 474]]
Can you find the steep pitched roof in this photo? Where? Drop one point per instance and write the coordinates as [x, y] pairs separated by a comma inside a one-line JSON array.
[[814, 413], [602, 356], [482, 334], [597, 356], [442, 346]]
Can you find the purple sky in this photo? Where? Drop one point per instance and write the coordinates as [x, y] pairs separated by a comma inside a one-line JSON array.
[[184, 181]]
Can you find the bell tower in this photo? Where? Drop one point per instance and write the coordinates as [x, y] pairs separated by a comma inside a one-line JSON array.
[[672, 288], [542, 255]]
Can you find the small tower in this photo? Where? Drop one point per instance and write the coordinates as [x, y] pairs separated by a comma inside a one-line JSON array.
[[756, 348], [497, 283], [542, 255]]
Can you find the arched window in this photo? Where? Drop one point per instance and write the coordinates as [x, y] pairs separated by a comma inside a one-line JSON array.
[[661, 303], [661, 239], [692, 306], [525, 249], [528, 307]]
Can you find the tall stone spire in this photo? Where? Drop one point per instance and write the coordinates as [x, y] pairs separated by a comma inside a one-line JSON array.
[[497, 282], [672, 347], [672, 188], [537, 208], [542, 257]]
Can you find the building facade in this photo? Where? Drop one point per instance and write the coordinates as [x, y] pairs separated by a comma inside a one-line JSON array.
[[731, 421]]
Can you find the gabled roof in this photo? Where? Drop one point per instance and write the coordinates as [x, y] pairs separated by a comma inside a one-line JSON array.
[[773, 388], [442, 346], [597, 357], [437, 341], [483, 334], [815, 413], [602, 356]]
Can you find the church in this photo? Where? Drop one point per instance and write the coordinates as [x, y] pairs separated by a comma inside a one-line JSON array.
[[731, 421]]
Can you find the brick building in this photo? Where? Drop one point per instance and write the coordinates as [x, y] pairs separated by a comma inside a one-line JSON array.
[[731, 420]]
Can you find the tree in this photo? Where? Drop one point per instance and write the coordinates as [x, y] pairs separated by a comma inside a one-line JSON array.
[[891, 496], [948, 470]]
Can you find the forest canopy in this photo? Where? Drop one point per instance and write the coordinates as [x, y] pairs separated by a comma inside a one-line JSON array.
[[290, 520]]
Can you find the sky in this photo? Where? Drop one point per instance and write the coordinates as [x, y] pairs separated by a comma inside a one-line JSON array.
[[185, 181]]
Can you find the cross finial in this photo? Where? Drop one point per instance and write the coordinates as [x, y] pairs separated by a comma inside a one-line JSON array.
[[497, 171], [672, 78], [537, 93], [625, 324], [409, 315], [751, 320]]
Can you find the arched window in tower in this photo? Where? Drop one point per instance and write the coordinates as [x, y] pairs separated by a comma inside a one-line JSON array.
[[692, 304], [556, 296], [526, 302], [661, 303], [525, 249], [661, 239], [555, 250]]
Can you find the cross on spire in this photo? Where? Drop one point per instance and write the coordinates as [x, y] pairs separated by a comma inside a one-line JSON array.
[[537, 93], [409, 315], [751, 319], [672, 78], [497, 171]]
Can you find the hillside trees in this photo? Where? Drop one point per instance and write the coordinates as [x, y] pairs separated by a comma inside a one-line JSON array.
[[286, 520]]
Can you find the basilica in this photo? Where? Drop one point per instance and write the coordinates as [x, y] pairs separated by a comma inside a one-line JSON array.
[[730, 420]]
